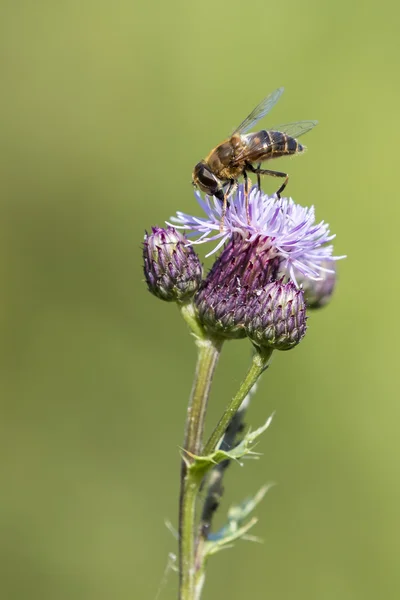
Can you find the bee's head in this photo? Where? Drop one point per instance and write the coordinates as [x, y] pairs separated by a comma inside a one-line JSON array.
[[205, 179]]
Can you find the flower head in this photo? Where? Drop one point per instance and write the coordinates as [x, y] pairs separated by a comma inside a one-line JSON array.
[[289, 229], [276, 316], [171, 267]]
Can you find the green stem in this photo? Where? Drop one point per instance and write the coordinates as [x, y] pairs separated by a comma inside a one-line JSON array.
[[188, 312], [208, 354], [258, 365]]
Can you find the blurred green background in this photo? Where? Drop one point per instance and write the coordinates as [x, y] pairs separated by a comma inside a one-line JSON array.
[[104, 109]]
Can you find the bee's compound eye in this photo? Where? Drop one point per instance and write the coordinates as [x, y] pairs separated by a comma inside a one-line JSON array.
[[206, 178]]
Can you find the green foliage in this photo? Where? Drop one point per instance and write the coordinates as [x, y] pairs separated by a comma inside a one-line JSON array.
[[200, 465], [238, 524]]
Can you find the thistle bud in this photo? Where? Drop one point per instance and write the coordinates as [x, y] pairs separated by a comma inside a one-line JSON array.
[[172, 269], [276, 316], [318, 293], [221, 309]]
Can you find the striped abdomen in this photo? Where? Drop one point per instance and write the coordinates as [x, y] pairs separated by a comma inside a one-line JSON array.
[[271, 144]]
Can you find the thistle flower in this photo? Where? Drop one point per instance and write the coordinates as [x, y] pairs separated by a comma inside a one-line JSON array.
[[288, 228], [275, 260], [281, 242], [171, 267]]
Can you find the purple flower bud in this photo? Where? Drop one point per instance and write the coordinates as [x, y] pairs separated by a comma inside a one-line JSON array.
[[276, 316], [319, 293], [172, 268], [242, 267], [221, 309]]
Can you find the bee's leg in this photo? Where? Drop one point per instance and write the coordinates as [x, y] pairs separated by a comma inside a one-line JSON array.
[[232, 185], [273, 174], [246, 195], [284, 184], [257, 170], [258, 176]]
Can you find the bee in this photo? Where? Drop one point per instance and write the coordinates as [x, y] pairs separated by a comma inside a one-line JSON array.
[[217, 175]]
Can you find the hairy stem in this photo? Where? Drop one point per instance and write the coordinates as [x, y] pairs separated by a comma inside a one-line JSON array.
[[208, 354]]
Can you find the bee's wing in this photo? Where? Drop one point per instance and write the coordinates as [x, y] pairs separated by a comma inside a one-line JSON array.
[[259, 112], [296, 129], [253, 150]]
